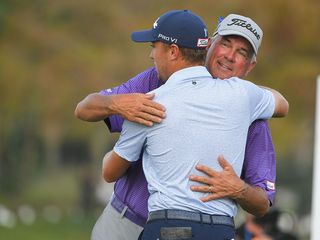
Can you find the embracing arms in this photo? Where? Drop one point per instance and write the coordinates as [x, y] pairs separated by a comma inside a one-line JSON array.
[[255, 190], [281, 104], [140, 108], [226, 184], [113, 167], [135, 107]]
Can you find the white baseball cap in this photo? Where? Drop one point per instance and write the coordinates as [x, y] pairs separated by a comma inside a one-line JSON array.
[[235, 24]]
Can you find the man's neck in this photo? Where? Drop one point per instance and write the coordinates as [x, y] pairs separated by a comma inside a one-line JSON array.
[[182, 65]]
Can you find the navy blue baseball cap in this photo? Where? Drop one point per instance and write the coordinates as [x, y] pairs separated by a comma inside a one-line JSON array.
[[180, 27]]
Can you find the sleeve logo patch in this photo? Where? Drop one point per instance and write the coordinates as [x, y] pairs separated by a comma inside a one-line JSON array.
[[271, 185]]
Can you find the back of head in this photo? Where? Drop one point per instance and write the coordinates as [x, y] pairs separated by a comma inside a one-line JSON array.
[[239, 25]]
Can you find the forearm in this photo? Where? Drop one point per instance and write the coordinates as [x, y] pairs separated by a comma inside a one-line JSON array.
[[104, 161], [113, 167], [95, 107], [226, 184], [135, 107], [281, 104], [252, 199]]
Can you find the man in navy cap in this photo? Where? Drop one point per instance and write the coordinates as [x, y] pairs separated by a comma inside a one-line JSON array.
[[199, 110]]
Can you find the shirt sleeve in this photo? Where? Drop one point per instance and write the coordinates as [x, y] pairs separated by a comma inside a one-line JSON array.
[[131, 141], [259, 167], [261, 101], [141, 83]]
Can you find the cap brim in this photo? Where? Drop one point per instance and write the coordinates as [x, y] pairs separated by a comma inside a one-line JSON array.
[[143, 36], [233, 32]]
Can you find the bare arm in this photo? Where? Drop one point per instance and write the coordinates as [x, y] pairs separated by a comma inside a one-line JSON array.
[[227, 184], [135, 107], [254, 200], [281, 104], [113, 166]]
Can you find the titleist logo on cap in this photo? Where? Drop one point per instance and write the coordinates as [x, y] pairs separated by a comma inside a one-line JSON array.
[[244, 24]]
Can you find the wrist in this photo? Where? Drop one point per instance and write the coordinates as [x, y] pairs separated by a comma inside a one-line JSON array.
[[111, 104], [242, 191]]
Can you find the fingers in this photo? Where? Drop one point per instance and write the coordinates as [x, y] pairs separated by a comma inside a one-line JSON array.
[[223, 162], [212, 192], [154, 105], [149, 95], [140, 108], [142, 121], [200, 179], [209, 171], [152, 108], [205, 169], [209, 189], [154, 111], [148, 116], [209, 197], [203, 188]]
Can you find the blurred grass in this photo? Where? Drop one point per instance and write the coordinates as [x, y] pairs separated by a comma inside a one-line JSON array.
[[58, 189], [67, 228]]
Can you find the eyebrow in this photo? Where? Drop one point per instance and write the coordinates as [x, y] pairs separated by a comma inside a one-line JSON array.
[[226, 38], [247, 50]]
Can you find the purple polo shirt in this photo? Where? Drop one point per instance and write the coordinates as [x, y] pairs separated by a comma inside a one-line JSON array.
[[259, 168]]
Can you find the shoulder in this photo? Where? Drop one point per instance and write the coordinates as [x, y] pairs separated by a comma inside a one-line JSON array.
[[141, 83], [150, 72], [235, 81], [242, 82], [145, 81]]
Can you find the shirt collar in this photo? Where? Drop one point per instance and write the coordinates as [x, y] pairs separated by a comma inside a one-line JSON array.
[[186, 74]]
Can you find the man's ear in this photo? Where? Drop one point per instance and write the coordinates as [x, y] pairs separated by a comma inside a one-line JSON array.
[[174, 52], [209, 43], [251, 66]]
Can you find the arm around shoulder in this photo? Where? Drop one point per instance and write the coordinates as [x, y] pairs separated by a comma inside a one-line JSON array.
[[94, 107], [135, 107], [253, 199], [113, 167], [281, 104]]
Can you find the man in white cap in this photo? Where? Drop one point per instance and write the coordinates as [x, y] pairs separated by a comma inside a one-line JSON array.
[[126, 213], [205, 117], [235, 30]]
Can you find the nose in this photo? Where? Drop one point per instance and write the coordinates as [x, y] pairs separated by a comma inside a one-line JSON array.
[[230, 55], [151, 55]]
